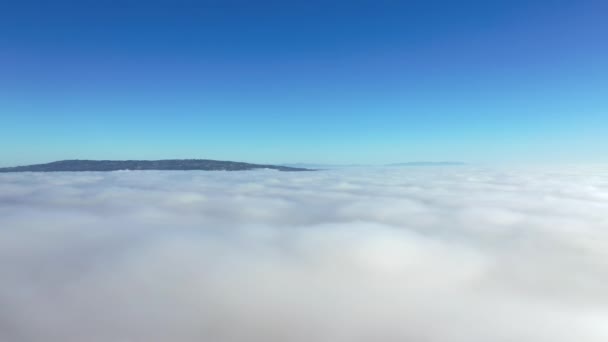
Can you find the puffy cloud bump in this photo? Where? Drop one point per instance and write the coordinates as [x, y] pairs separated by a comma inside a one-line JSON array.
[[388, 254]]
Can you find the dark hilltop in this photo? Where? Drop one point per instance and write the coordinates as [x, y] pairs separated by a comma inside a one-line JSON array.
[[164, 165]]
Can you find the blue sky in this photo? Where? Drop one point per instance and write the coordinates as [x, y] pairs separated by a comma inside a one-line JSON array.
[[304, 81]]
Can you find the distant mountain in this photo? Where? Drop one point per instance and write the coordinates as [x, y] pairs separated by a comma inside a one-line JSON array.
[[443, 163], [322, 166], [172, 164]]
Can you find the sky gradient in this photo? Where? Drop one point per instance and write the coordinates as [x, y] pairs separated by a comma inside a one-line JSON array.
[[315, 81]]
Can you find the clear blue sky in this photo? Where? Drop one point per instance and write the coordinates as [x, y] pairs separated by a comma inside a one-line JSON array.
[[304, 81]]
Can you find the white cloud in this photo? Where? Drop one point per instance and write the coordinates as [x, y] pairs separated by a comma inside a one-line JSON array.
[[387, 254]]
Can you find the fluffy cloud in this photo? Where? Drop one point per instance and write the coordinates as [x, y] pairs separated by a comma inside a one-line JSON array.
[[387, 254]]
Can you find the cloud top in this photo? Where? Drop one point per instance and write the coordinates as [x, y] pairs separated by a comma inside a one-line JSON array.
[[375, 254]]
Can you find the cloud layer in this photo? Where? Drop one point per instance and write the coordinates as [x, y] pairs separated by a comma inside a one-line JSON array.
[[389, 254]]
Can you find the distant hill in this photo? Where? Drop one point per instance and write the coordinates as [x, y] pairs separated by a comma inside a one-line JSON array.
[[444, 163], [323, 166], [171, 164], [337, 166]]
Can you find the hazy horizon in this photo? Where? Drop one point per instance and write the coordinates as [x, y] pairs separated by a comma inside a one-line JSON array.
[[430, 163]]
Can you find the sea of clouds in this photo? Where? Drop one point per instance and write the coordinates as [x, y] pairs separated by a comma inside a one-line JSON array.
[[427, 254]]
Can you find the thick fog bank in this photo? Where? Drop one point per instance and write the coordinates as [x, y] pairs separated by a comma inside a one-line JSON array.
[[450, 254]]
